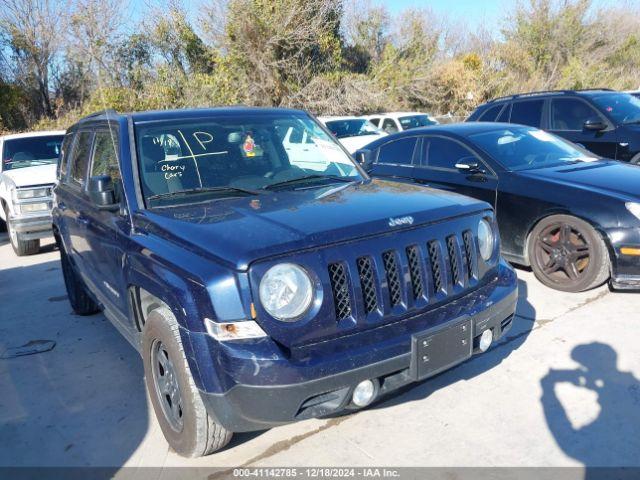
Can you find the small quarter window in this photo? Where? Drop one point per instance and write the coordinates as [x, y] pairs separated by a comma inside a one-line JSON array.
[[65, 152], [80, 157]]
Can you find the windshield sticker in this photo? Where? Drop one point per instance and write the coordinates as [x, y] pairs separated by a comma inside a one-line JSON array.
[[249, 146]]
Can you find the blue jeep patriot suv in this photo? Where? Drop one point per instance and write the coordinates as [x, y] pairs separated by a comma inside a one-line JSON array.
[[261, 274]]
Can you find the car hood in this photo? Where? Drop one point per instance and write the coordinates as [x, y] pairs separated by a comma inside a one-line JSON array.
[[242, 230], [355, 143], [606, 177], [40, 175]]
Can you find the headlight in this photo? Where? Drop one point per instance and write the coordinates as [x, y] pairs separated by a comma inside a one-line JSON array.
[[486, 239], [634, 208], [33, 207], [286, 291], [32, 193]]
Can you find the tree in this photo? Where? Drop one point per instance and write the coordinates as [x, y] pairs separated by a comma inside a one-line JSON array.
[[278, 46], [34, 29]]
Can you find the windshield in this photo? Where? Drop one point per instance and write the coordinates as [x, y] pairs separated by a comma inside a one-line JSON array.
[[31, 151], [352, 128], [235, 155], [621, 107], [523, 148], [415, 121]]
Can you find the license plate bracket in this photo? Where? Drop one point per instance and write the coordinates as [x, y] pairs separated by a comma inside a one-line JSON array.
[[438, 349]]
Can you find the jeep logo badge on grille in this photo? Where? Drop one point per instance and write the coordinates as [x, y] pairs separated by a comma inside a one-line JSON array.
[[395, 222]]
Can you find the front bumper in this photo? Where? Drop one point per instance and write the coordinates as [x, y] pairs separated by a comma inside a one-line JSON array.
[[248, 406], [625, 269], [32, 227]]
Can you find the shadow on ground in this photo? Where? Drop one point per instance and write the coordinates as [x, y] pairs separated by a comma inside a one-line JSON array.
[[611, 439], [83, 402]]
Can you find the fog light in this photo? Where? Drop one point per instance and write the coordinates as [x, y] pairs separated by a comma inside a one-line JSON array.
[[485, 340], [364, 393]]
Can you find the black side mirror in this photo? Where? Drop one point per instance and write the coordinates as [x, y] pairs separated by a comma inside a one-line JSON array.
[[595, 125], [102, 192], [363, 157], [468, 165]]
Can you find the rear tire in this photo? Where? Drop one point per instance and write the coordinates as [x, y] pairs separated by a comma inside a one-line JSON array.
[[183, 418], [79, 298], [21, 247], [568, 254]]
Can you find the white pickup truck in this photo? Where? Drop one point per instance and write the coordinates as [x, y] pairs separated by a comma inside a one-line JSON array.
[[27, 176]]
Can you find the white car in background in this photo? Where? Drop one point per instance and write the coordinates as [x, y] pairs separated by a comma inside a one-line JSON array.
[[352, 132], [399, 121], [27, 176]]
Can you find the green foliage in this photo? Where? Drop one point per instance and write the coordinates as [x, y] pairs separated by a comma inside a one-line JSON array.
[[311, 54]]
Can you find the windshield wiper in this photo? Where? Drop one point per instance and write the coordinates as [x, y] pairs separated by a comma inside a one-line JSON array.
[[189, 191], [309, 177], [632, 122]]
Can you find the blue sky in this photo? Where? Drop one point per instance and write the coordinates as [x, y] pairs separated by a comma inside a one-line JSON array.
[[472, 12]]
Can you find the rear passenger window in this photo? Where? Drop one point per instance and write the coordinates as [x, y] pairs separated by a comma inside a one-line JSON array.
[[398, 152], [491, 114], [105, 159], [445, 153], [80, 157], [527, 113], [65, 151]]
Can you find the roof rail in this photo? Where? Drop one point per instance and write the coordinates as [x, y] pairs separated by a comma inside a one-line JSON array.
[[106, 111], [547, 92]]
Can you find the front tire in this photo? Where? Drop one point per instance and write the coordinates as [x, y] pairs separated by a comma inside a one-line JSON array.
[[568, 254], [21, 247], [79, 297], [183, 418]]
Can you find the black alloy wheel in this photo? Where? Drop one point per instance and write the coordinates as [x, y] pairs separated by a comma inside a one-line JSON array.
[[166, 385], [567, 254]]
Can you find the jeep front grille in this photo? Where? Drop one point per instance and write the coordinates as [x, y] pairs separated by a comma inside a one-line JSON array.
[[417, 274], [340, 287]]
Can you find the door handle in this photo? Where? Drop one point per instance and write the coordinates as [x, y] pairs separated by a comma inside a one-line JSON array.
[[83, 221]]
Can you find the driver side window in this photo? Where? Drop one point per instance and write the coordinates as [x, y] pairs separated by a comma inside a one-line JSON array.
[[443, 153], [569, 114]]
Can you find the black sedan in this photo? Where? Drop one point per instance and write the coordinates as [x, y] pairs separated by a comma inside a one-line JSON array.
[[572, 217]]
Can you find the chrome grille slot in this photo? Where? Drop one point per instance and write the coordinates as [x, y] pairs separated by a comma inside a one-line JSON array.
[[417, 286], [454, 268], [434, 258], [393, 277], [367, 283], [467, 238], [340, 288]]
